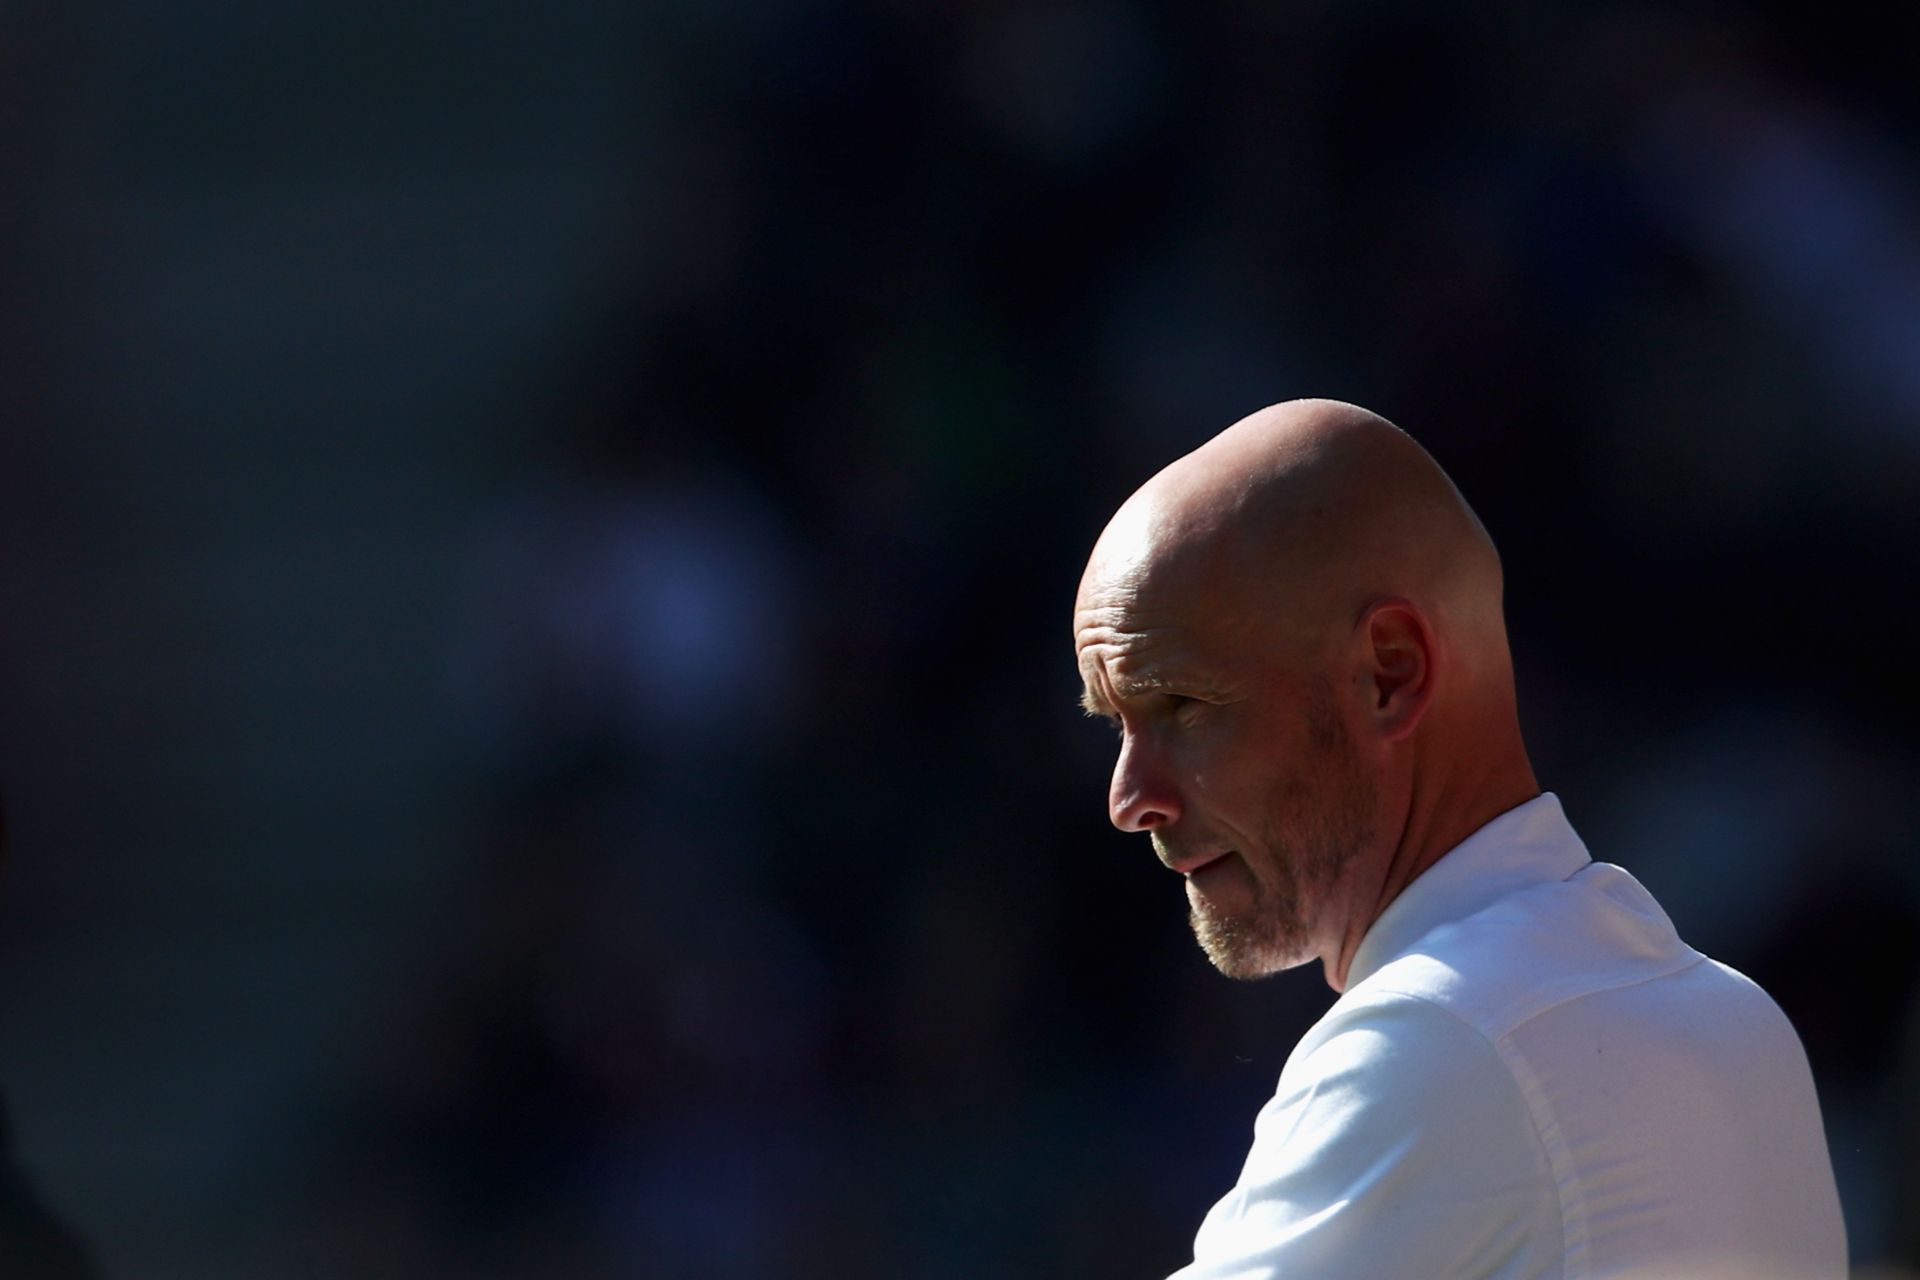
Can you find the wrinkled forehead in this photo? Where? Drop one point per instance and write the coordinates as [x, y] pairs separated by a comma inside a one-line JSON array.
[[1134, 560], [1218, 569], [1158, 568]]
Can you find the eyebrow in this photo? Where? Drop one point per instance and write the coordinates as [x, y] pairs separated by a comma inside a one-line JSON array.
[[1095, 705]]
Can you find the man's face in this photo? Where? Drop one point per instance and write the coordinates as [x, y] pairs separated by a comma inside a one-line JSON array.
[[1236, 762]]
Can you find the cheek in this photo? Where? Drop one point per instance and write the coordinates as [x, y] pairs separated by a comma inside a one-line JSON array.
[[1236, 771]]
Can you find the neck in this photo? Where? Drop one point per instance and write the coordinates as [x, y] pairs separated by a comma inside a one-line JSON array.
[[1437, 817]]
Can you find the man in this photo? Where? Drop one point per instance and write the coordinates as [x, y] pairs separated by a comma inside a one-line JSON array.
[[1297, 630]]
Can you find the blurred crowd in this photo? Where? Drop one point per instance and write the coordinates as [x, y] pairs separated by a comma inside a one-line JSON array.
[[786, 936]]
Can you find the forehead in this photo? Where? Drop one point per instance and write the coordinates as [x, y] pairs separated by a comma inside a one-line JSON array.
[[1137, 616], [1155, 550], [1179, 580]]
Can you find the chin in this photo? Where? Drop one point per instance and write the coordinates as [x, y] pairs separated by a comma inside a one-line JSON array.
[[1249, 949]]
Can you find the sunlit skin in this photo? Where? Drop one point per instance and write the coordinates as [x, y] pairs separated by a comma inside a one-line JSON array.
[[1297, 631]]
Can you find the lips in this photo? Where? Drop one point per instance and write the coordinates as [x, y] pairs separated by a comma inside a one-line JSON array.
[[1198, 862]]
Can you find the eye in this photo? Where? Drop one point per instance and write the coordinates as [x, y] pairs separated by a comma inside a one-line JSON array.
[[1184, 706]]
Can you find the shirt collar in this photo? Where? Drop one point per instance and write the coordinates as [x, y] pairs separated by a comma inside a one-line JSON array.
[[1529, 844]]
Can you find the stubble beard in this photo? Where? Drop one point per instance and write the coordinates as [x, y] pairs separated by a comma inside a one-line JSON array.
[[1297, 878]]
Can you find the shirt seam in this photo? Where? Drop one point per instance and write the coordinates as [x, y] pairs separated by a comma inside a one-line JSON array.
[[1690, 960]]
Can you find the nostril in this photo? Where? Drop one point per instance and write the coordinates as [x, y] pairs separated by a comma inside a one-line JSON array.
[[1136, 813]]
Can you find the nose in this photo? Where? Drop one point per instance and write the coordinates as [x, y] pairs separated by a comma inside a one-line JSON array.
[[1142, 796]]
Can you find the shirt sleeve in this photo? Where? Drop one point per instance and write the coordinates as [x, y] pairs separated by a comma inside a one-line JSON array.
[[1398, 1145]]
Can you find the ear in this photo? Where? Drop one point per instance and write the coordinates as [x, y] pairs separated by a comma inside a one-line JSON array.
[[1398, 653]]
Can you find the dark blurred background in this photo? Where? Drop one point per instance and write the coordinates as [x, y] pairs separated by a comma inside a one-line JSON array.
[[536, 705]]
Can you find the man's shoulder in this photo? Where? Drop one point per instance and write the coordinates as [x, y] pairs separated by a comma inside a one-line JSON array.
[[1539, 948], [1396, 1144], [1398, 1058]]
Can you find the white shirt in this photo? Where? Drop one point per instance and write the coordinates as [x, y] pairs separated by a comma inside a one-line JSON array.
[[1530, 1075]]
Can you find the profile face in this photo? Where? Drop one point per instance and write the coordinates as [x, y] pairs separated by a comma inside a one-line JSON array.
[[1238, 765]]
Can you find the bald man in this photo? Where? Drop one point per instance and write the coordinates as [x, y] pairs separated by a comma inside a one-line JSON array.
[[1297, 631]]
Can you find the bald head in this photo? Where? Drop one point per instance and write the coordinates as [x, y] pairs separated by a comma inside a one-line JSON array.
[[1309, 566], [1299, 515]]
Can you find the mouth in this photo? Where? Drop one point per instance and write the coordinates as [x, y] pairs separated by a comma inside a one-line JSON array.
[[1188, 866]]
